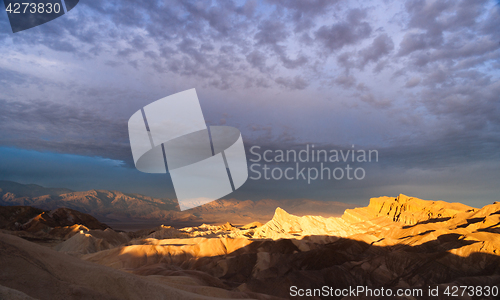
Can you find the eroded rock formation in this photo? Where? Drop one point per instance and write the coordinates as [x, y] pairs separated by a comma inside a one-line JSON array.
[[392, 243]]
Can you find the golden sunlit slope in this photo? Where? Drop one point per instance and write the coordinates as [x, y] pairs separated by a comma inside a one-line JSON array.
[[394, 242], [36, 271], [408, 210]]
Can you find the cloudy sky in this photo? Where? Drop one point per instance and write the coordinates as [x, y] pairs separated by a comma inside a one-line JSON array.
[[417, 80]]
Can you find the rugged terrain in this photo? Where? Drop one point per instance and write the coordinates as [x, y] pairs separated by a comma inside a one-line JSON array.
[[393, 243], [135, 210]]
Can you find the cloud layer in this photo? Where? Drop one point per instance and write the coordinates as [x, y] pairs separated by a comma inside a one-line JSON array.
[[417, 80]]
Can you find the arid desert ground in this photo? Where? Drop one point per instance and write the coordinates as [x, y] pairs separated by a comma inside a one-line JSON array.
[[394, 242]]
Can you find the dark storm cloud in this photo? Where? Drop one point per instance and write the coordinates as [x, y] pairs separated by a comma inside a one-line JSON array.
[[271, 33], [52, 36], [467, 33], [413, 82], [296, 83], [257, 60], [441, 60], [345, 60], [294, 63], [373, 101], [49, 126], [431, 15], [188, 37], [413, 42], [8, 77], [300, 8], [381, 46], [189, 47], [348, 32], [469, 97], [302, 14], [449, 56], [346, 81], [428, 152]]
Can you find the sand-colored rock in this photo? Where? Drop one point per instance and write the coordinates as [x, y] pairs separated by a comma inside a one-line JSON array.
[[394, 242], [42, 273], [285, 225], [252, 225], [152, 251], [408, 210], [92, 241]]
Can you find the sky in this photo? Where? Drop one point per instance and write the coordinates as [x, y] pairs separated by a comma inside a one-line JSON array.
[[416, 80]]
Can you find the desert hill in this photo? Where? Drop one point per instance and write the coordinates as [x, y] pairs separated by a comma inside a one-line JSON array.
[[115, 207], [31, 219], [13, 217], [30, 271], [394, 242], [46, 227]]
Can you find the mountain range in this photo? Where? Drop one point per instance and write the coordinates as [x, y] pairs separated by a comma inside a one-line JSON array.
[[115, 207]]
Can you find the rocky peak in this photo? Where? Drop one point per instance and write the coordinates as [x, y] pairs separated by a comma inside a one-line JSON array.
[[285, 225], [408, 210], [62, 217]]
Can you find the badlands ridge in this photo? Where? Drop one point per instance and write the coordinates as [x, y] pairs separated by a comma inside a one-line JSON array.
[[391, 243], [116, 208]]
